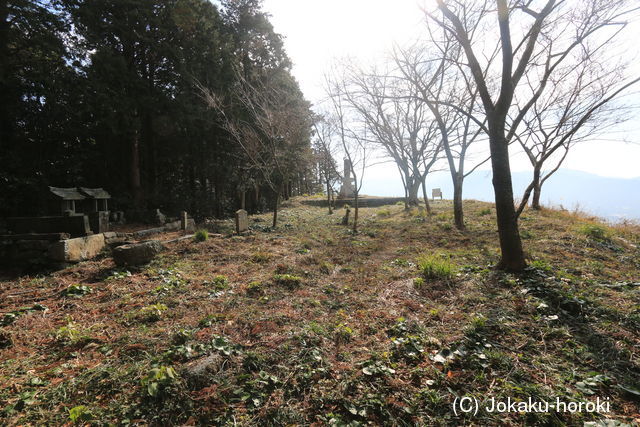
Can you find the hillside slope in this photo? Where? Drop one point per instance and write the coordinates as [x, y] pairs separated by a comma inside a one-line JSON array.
[[309, 324]]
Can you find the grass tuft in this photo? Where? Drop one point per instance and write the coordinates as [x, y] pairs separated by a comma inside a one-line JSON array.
[[433, 267], [596, 232], [287, 280], [201, 235]]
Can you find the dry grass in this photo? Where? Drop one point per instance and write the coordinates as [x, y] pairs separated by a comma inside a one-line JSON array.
[[353, 341]]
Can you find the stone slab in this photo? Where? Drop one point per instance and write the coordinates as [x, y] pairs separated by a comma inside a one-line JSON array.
[[114, 239], [136, 253], [78, 249], [181, 238], [148, 232]]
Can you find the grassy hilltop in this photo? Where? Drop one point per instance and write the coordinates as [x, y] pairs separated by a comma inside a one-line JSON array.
[[309, 324]]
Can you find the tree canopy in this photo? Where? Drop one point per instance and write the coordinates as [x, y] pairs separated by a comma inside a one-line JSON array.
[[104, 93]]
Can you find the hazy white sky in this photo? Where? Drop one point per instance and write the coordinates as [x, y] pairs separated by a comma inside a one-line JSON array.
[[317, 31]]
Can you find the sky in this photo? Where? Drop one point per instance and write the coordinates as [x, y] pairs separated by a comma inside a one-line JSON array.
[[317, 32]]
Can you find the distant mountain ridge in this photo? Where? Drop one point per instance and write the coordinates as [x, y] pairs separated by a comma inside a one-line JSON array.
[[613, 199]]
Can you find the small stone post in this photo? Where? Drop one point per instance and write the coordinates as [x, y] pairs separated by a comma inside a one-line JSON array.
[[183, 220], [242, 221]]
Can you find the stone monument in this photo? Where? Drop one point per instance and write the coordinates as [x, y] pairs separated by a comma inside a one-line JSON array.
[[347, 189], [242, 221]]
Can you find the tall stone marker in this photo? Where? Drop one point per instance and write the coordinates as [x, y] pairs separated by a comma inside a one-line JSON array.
[[242, 221], [184, 218], [347, 189]]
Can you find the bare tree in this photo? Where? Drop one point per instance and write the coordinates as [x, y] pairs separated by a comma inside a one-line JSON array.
[[433, 70], [351, 134], [325, 148], [269, 127], [577, 107], [398, 121], [533, 42]]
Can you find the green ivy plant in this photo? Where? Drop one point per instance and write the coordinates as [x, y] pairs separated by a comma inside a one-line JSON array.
[[159, 379]]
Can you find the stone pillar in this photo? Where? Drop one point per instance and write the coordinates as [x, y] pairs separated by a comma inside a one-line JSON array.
[[242, 221], [347, 189], [184, 220], [347, 169]]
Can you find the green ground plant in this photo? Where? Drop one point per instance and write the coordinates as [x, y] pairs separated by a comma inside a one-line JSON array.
[[435, 267], [289, 281], [201, 235]]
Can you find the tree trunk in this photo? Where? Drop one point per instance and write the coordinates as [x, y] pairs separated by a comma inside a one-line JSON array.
[[413, 186], [456, 176], [134, 171], [148, 163], [243, 199], [192, 186], [406, 198], [510, 243], [424, 195], [218, 185], [537, 187], [276, 203], [355, 213], [405, 186], [5, 121], [535, 203], [286, 189], [458, 212], [329, 197], [256, 197]]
